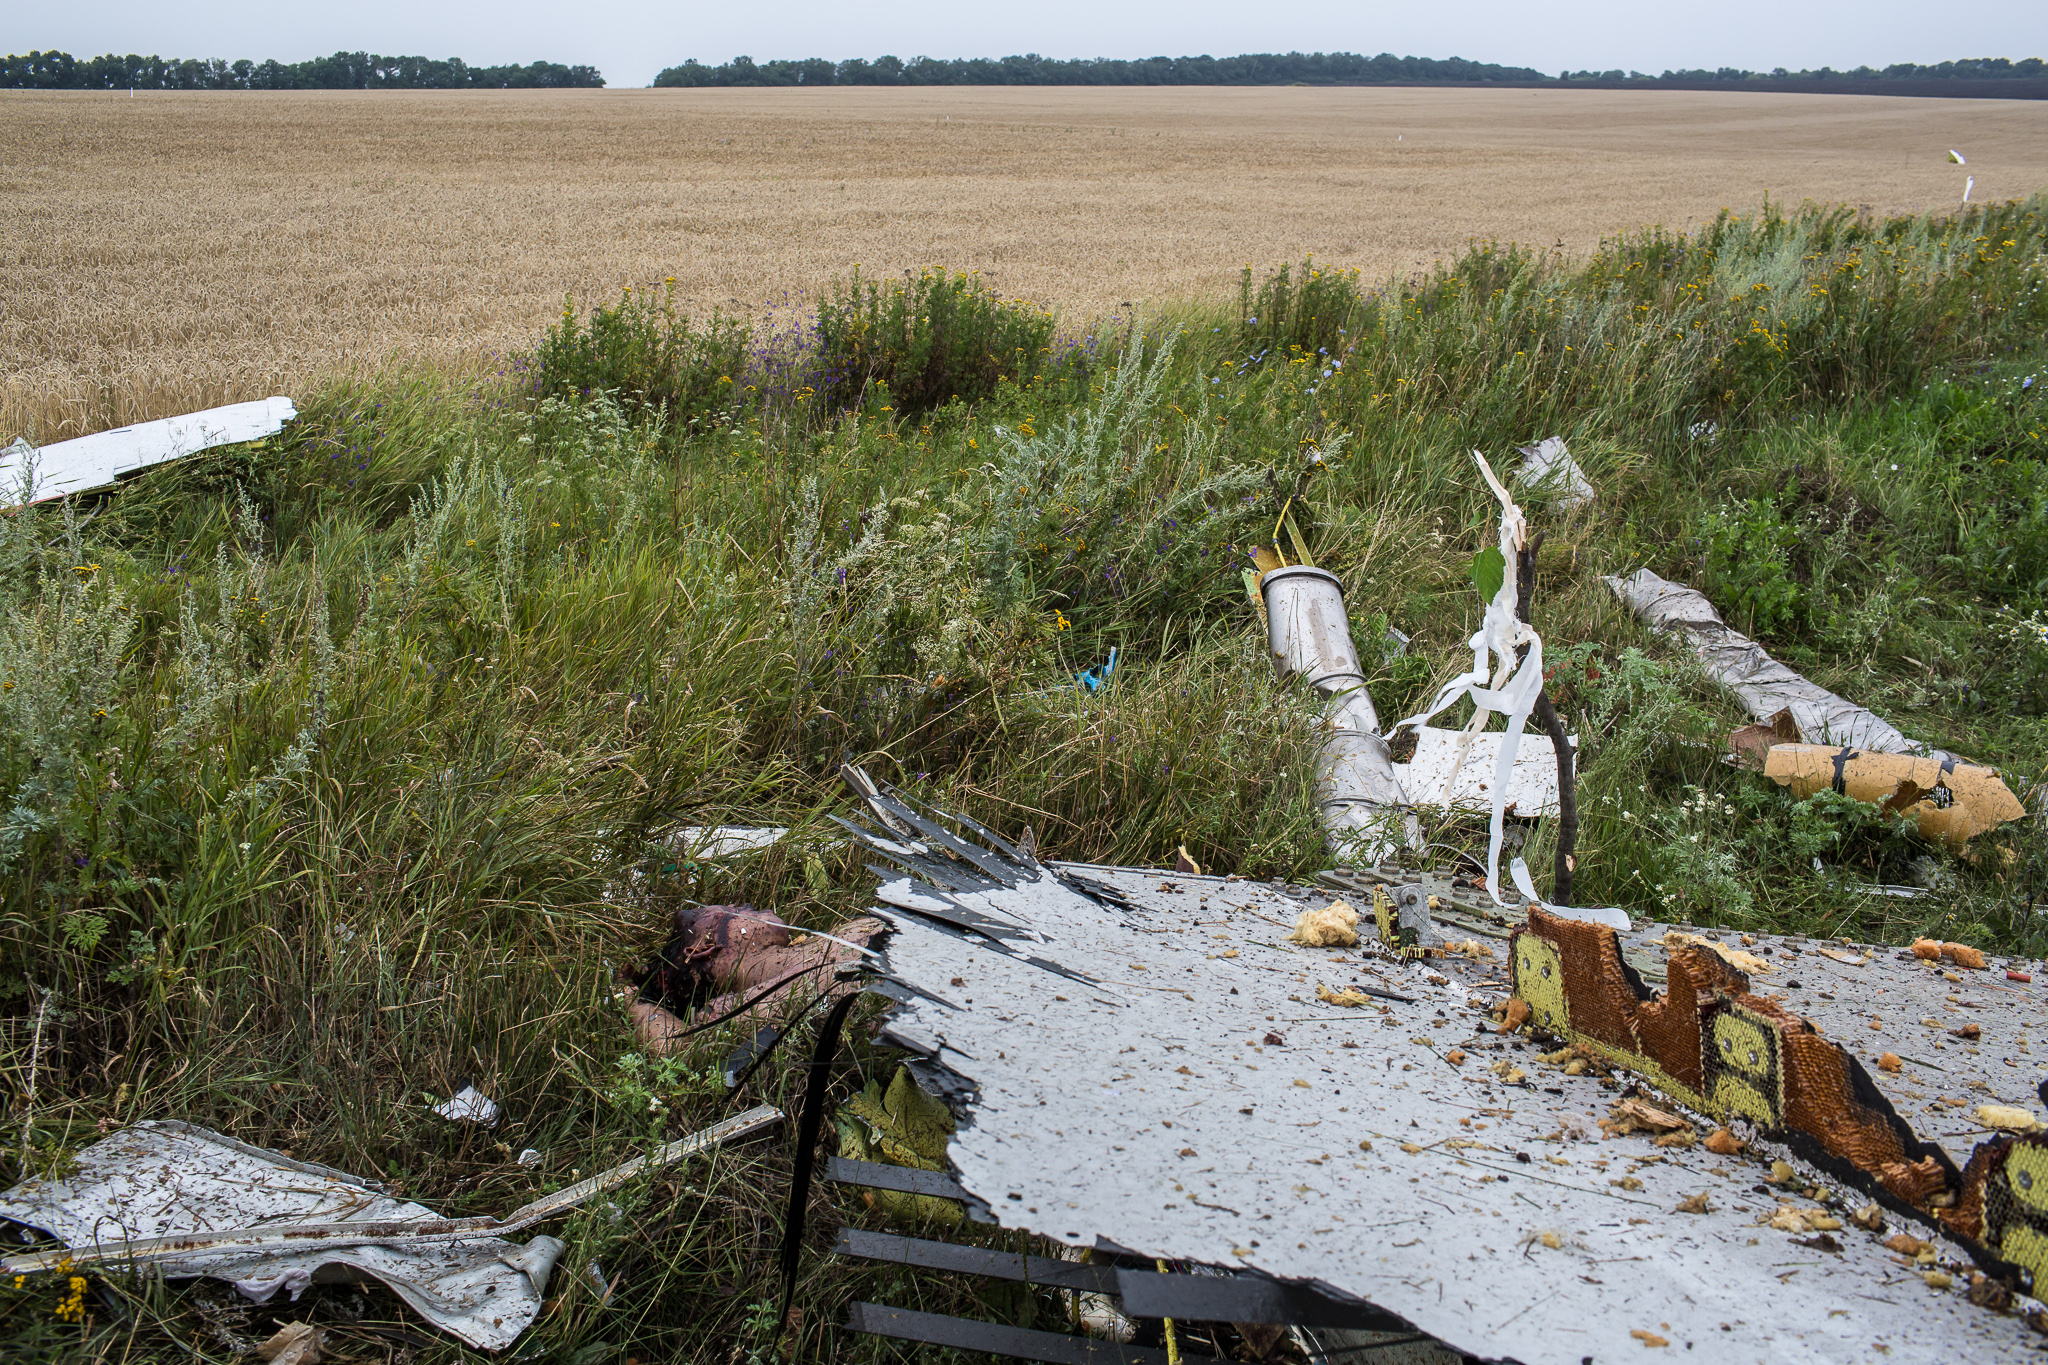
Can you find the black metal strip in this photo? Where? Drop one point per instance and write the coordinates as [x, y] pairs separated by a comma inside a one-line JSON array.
[[1246, 1298], [906, 1180], [740, 1063], [904, 993], [996, 841], [842, 1170], [966, 1260], [892, 847], [1019, 1343], [996, 944], [1102, 893], [931, 870]]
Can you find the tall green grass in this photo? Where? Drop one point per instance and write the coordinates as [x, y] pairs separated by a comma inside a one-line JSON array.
[[336, 768]]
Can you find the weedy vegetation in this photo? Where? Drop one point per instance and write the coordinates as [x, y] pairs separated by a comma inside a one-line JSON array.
[[335, 769]]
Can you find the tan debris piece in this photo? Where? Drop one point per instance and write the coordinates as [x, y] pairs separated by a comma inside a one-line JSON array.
[[1516, 1016], [1721, 1142], [1889, 1061], [295, 1343], [1789, 1218], [1963, 955], [1347, 997], [1333, 926], [1752, 744], [1952, 802], [1927, 949], [2007, 1118], [1631, 1115], [1650, 1339], [1694, 1203], [1734, 957]]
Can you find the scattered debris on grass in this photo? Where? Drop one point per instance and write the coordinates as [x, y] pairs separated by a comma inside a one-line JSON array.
[[469, 1105], [715, 842], [90, 462], [191, 1202], [1548, 467], [1951, 802], [1763, 685]]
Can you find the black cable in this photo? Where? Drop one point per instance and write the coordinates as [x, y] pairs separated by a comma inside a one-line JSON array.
[[743, 1077], [746, 1005], [807, 1151]]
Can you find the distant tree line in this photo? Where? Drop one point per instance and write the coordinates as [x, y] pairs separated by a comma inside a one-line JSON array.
[[342, 71], [1979, 75], [1258, 68], [1967, 69]]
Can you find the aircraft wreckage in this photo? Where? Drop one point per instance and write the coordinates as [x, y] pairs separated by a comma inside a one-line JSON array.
[[1531, 1132]]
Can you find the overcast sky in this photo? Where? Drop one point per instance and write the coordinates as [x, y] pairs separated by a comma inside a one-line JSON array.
[[630, 40]]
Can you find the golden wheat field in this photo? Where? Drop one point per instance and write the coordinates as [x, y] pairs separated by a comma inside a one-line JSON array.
[[167, 251]]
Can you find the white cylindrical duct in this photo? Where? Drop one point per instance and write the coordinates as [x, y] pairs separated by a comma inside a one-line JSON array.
[[1364, 808]]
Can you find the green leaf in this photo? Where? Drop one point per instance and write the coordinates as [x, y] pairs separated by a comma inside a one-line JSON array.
[[1489, 571]]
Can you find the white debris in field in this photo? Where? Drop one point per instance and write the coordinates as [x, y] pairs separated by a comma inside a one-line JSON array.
[[1429, 778], [164, 1178], [470, 1105], [723, 841], [1511, 690], [1762, 684], [529, 1157], [1549, 465], [1228, 1112], [95, 461]]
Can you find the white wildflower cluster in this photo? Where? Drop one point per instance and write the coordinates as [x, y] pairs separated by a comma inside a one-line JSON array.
[[2029, 630]]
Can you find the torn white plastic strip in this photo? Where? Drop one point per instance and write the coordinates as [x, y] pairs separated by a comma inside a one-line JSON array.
[[1763, 685], [90, 462], [1598, 914], [1513, 691], [470, 1105]]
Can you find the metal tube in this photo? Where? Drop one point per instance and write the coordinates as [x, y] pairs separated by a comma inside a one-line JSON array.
[[1365, 811]]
